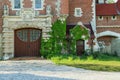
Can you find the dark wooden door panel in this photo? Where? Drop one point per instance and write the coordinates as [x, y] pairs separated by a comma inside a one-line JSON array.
[[27, 42], [80, 47]]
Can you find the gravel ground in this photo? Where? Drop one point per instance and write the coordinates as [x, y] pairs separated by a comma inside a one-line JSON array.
[[46, 70]]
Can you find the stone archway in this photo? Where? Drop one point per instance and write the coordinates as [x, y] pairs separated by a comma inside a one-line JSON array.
[[108, 33], [12, 23], [105, 40]]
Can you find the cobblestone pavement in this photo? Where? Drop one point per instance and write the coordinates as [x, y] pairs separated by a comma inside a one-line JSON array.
[[46, 70]]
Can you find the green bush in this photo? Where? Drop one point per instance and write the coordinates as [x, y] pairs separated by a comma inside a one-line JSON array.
[[57, 41]]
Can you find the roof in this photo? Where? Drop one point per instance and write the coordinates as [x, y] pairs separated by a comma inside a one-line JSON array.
[[86, 25], [106, 9]]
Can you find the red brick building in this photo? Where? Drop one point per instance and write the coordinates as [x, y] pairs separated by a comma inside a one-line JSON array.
[[24, 22], [108, 24]]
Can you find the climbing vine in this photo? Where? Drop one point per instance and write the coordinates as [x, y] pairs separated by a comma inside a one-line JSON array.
[[77, 33], [56, 44]]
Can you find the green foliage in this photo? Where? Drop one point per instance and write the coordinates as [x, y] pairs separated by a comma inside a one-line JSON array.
[[59, 29], [110, 1], [57, 42], [100, 63], [79, 32], [46, 48]]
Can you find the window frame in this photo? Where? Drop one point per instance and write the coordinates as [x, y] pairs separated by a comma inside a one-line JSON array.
[[42, 5], [13, 5], [75, 12], [100, 18], [115, 17]]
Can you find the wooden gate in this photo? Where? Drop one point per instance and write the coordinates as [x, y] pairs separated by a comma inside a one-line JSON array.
[[27, 42], [80, 47]]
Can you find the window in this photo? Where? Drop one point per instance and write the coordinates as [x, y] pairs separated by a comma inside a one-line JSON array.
[[22, 35], [78, 12], [101, 1], [16, 4], [100, 17], [34, 35], [113, 17], [38, 4]]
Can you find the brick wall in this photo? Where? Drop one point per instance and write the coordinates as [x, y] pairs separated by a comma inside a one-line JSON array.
[[64, 6], [86, 7], [107, 21], [29, 4], [114, 29]]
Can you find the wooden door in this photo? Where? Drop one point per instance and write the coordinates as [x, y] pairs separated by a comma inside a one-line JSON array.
[[27, 42], [80, 47]]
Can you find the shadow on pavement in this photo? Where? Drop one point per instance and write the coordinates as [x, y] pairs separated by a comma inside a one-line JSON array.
[[20, 76]]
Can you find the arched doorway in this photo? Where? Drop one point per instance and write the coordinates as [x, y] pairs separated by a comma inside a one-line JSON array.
[[27, 42], [105, 43], [105, 40]]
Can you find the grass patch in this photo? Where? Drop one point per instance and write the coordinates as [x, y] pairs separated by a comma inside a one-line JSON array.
[[100, 63]]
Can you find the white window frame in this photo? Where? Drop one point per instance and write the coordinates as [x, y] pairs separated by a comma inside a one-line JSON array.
[[76, 14], [100, 18], [114, 17], [42, 5], [13, 8]]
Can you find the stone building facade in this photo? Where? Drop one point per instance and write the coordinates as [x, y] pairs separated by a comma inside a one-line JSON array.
[[27, 14], [24, 18], [23, 21]]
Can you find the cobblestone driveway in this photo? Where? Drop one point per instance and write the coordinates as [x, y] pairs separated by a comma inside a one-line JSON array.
[[46, 70]]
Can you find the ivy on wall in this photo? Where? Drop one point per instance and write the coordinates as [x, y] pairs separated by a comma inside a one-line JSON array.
[[80, 32], [57, 43], [77, 33]]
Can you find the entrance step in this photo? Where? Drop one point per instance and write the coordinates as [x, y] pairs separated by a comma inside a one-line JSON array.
[[27, 58]]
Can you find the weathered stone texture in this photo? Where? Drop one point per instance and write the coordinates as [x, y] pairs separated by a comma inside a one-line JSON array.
[[116, 46]]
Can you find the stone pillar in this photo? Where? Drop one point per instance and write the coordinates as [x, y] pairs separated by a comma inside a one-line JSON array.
[[0, 47]]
